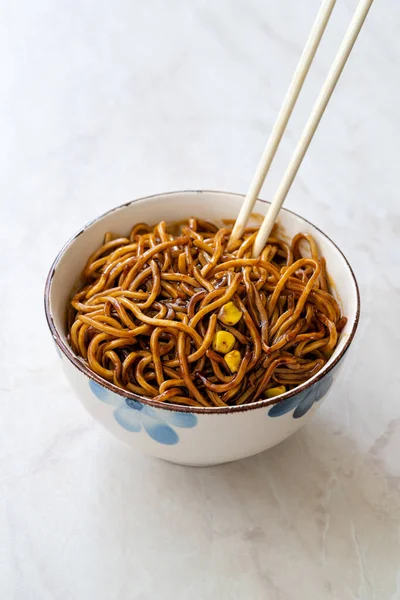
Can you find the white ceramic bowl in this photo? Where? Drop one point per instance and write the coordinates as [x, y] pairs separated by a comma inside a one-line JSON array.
[[186, 435]]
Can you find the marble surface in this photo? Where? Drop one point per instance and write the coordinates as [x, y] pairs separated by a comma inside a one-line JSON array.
[[102, 102]]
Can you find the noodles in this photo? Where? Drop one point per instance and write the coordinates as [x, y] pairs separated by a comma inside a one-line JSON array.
[[184, 319]]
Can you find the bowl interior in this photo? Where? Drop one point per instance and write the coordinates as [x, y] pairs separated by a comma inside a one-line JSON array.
[[172, 207]]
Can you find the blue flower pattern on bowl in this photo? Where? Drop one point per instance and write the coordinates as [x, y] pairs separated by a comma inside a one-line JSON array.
[[301, 403], [133, 416]]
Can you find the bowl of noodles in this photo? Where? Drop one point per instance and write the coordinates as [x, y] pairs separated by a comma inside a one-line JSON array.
[[186, 347]]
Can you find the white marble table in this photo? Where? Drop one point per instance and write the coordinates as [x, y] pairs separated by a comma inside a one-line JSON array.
[[101, 102]]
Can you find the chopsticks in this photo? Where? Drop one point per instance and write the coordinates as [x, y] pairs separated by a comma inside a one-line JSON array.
[[284, 114], [320, 105]]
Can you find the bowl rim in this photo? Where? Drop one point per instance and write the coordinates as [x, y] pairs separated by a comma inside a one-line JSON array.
[[85, 370]]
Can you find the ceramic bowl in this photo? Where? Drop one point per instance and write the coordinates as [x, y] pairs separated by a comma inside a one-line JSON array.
[[186, 435]]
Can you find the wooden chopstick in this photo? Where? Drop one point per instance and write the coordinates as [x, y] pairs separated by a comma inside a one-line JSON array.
[[313, 121], [286, 109]]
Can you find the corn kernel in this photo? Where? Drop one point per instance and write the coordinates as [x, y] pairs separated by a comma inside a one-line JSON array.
[[233, 360], [229, 314], [276, 391], [223, 342]]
